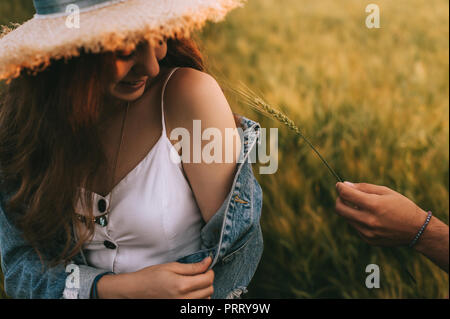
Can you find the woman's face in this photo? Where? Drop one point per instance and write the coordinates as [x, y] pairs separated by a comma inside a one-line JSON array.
[[134, 69]]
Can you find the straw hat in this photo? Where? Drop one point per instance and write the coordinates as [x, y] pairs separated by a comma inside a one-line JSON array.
[[61, 27]]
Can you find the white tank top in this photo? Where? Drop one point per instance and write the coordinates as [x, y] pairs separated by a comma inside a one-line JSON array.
[[154, 216]]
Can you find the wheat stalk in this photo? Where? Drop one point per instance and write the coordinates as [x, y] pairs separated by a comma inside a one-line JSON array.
[[251, 99], [257, 103]]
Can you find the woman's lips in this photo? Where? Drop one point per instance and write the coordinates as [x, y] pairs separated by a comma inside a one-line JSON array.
[[133, 84]]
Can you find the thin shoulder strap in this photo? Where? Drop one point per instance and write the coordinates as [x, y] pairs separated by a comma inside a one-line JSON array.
[[162, 98]]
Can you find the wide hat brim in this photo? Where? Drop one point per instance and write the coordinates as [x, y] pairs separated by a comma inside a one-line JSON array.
[[117, 26]]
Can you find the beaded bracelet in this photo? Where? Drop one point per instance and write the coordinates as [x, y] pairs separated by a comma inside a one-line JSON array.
[[413, 242], [94, 284]]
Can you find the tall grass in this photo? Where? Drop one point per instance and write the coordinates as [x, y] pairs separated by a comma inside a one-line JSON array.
[[374, 102], [15, 11]]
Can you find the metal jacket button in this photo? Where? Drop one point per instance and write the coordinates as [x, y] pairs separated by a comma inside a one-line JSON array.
[[101, 205], [109, 244]]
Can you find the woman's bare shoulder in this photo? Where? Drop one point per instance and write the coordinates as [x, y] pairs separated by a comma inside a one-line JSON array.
[[193, 94], [188, 83]]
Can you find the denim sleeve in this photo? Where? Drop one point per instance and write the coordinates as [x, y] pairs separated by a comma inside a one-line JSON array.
[[25, 277]]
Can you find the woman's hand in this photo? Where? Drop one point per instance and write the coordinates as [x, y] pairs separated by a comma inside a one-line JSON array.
[[172, 280], [381, 215]]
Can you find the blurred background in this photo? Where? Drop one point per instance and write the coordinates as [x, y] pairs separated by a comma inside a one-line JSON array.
[[375, 104]]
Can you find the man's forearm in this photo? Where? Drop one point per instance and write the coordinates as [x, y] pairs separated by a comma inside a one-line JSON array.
[[434, 243]]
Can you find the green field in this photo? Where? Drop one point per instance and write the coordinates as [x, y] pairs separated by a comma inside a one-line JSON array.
[[375, 104]]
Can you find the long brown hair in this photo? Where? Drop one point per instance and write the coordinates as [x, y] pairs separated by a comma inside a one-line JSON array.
[[49, 145]]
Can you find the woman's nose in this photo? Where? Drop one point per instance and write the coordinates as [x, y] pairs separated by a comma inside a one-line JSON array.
[[146, 61]]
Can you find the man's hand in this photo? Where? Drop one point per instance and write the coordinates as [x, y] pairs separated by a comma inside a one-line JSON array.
[[386, 218], [381, 216]]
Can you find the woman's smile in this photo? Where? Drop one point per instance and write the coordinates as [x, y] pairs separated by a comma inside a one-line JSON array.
[[131, 88], [134, 69], [133, 84]]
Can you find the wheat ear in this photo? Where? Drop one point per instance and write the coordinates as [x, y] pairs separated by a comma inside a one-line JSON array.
[[251, 99]]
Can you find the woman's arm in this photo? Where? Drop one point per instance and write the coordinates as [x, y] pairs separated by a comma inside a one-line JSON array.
[[211, 163], [172, 280], [26, 278]]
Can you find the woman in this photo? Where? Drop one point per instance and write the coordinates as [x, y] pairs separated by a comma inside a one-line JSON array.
[[85, 158]]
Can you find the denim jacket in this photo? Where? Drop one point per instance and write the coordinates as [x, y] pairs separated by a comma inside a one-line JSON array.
[[232, 237]]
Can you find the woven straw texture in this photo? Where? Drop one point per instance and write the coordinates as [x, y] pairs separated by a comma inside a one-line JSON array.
[[119, 26]]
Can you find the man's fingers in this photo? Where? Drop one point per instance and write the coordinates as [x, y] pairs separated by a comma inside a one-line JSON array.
[[358, 222], [192, 269], [355, 196], [370, 188], [360, 228], [350, 213]]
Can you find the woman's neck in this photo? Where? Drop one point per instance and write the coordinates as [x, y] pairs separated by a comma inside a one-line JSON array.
[[111, 110]]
